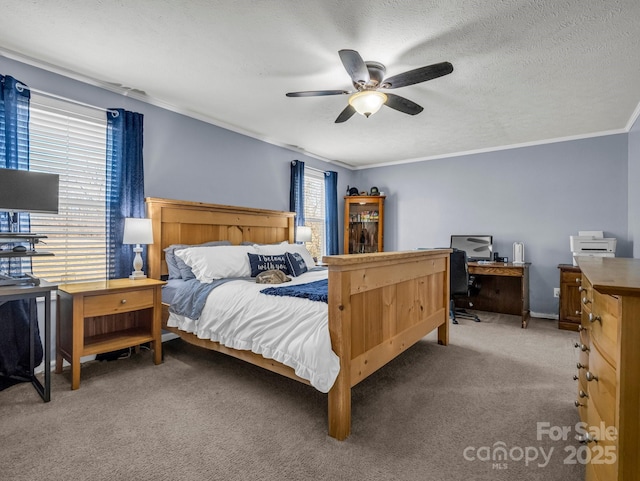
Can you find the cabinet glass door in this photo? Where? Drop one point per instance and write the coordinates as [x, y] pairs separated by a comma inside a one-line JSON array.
[[363, 225]]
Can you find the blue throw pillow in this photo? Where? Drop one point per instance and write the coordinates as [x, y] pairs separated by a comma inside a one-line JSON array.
[[296, 264], [260, 263]]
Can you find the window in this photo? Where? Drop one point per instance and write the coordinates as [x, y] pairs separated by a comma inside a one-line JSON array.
[[70, 140], [314, 212]]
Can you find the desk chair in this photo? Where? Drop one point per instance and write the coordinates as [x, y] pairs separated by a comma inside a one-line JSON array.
[[459, 285]]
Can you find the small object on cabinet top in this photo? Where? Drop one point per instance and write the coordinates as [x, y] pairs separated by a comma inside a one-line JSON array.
[[353, 191], [374, 191]]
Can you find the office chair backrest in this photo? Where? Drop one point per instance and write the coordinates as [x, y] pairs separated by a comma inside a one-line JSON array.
[[459, 273]]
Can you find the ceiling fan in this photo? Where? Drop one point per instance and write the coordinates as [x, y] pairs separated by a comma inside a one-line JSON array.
[[370, 82]]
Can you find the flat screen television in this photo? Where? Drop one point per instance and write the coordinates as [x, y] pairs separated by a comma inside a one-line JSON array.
[[28, 191], [477, 247]]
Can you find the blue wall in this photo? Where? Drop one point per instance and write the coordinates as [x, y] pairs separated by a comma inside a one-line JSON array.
[[538, 195]]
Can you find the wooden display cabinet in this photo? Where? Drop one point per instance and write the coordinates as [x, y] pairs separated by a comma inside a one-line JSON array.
[[363, 224]]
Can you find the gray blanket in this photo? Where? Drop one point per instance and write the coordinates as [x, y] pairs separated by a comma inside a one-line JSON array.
[[191, 296]]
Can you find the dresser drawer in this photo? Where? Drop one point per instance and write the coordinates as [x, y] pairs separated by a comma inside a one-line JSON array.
[[604, 449], [602, 387], [585, 337], [104, 304], [586, 292], [582, 366], [603, 319]]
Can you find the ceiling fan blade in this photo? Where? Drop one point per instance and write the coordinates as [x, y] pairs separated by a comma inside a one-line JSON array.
[[346, 114], [355, 66], [402, 105], [418, 75], [316, 93]]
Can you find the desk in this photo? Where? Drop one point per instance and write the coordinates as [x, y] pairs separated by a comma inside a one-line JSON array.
[[14, 293], [504, 288]]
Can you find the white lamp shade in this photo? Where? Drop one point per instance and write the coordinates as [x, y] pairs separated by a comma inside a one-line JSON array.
[[367, 102], [137, 231], [303, 234]]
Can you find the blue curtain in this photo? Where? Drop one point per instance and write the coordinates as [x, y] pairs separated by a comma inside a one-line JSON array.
[[14, 315], [125, 186], [296, 192], [14, 137], [331, 212]]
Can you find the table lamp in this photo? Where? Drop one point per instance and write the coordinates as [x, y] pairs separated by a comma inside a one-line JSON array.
[[137, 231], [303, 234]]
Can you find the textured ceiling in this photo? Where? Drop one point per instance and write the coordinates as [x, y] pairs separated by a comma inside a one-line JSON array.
[[524, 71]]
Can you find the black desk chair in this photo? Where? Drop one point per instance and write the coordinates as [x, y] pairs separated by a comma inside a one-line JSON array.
[[459, 285]]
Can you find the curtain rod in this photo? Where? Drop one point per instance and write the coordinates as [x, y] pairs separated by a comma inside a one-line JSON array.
[[19, 86], [309, 168]]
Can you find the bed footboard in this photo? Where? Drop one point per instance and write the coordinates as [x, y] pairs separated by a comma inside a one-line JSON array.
[[380, 305]]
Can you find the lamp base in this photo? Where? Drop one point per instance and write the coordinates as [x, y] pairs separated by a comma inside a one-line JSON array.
[[137, 275], [137, 264]]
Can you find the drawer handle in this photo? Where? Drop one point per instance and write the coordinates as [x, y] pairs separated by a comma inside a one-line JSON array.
[[581, 366], [594, 318], [585, 300], [577, 404], [591, 377], [575, 378], [582, 347], [578, 280], [583, 394], [581, 289], [123, 301], [587, 438], [582, 328]]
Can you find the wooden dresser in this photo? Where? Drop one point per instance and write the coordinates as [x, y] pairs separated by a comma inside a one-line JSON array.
[[609, 367]]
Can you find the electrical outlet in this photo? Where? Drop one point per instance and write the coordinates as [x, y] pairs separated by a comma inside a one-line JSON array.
[[556, 292]]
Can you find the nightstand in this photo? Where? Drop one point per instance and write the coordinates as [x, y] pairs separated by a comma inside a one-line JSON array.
[[104, 316]]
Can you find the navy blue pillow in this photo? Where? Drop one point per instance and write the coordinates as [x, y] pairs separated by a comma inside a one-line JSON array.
[[260, 263], [296, 264]]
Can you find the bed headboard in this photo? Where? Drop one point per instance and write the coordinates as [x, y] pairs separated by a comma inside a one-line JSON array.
[[185, 222]]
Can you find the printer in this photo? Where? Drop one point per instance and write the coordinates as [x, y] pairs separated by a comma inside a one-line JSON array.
[[592, 243]]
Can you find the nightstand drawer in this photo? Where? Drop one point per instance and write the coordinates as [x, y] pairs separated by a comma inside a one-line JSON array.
[[125, 301]]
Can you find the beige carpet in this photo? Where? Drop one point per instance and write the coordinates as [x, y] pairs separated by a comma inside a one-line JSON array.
[[435, 413]]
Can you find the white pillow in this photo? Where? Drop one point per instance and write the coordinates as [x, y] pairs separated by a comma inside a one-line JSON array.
[[208, 263], [275, 249]]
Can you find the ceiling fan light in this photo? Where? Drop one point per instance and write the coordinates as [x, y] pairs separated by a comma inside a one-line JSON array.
[[367, 102]]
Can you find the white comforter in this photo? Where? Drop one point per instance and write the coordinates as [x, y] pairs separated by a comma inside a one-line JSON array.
[[293, 331]]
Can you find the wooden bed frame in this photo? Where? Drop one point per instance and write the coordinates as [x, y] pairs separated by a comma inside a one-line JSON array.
[[379, 304]]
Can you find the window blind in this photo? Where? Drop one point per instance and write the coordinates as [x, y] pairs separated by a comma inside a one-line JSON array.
[[70, 140], [314, 212]]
